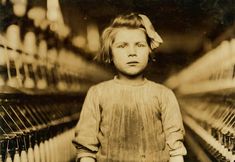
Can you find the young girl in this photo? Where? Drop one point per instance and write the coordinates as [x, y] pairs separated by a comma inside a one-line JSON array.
[[129, 118]]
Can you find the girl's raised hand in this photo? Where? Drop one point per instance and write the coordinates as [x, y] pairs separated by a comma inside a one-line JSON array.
[[176, 159], [87, 159]]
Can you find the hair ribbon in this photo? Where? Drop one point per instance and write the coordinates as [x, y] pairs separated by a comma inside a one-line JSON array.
[[156, 39]]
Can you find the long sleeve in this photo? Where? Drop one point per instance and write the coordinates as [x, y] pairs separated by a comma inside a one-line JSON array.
[[86, 131], [172, 124]]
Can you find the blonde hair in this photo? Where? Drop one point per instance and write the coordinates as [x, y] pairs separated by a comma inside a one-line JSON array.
[[131, 21]]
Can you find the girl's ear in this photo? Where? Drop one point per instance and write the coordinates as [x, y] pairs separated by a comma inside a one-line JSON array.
[[152, 56], [109, 58]]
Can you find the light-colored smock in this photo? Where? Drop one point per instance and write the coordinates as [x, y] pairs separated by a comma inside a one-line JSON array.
[[123, 122]]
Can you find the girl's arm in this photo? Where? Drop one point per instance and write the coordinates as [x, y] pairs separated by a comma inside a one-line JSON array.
[[176, 159], [86, 131], [87, 159], [173, 126]]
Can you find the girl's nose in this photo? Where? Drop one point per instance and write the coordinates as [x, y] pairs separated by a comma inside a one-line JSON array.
[[132, 51]]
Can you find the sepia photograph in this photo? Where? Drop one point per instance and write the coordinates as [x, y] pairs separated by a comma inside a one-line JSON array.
[[117, 81]]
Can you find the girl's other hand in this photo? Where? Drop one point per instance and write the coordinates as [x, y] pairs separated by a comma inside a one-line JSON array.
[[87, 159], [176, 159]]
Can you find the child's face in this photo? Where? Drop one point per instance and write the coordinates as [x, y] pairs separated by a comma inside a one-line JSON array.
[[130, 51]]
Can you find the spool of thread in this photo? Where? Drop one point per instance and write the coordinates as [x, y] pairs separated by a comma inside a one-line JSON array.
[[30, 150], [30, 154], [8, 157], [19, 7], [30, 44], [65, 137], [53, 10], [51, 145], [16, 156], [47, 151], [93, 38], [42, 49], [36, 153], [3, 42], [13, 41], [42, 53], [3, 2], [3, 55], [23, 156], [52, 55], [60, 147], [56, 144], [52, 58], [232, 47], [62, 85], [13, 36], [1, 151], [42, 152], [37, 14], [30, 48]]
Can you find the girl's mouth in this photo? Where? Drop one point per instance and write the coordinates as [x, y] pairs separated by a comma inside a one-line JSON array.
[[132, 62]]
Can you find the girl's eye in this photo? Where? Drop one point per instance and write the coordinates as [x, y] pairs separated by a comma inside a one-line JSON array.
[[121, 46], [141, 45]]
